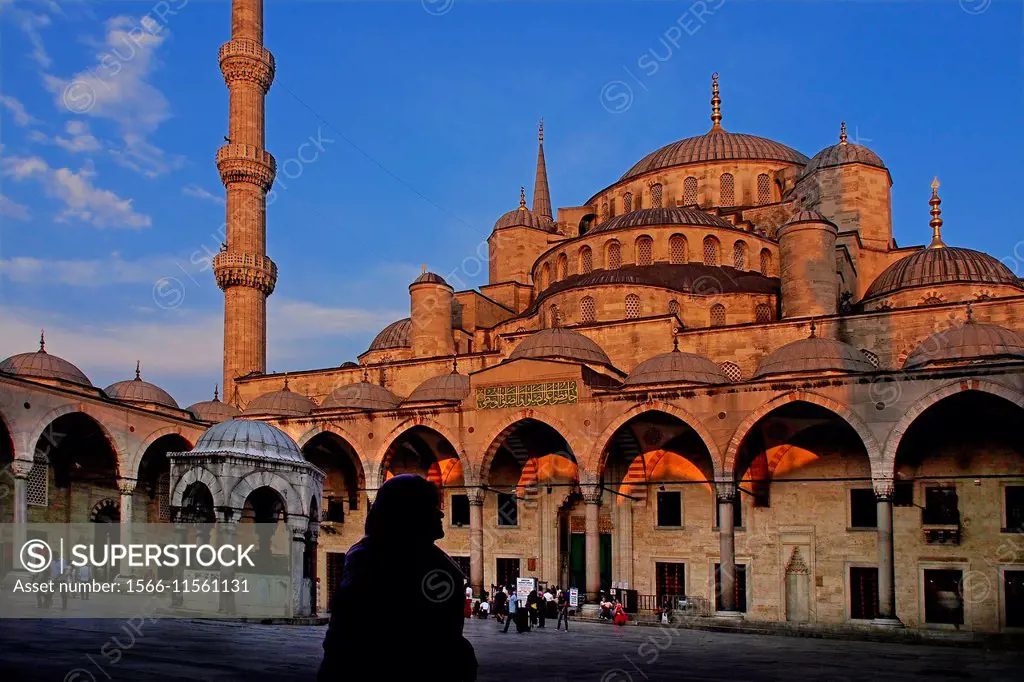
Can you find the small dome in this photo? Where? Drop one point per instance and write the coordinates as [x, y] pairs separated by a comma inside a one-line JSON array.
[[140, 392], [947, 265], [560, 343], [283, 403], [676, 366], [361, 396], [841, 154], [395, 335], [806, 216], [662, 216], [214, 410], [815, 354], [348, 364], [523, 217], [248, 438], [430, 278], [968, 342], [453, 387], [43, 365]]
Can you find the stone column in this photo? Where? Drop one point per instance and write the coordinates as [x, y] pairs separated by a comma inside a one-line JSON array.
[[298, 549], [476, 539], [181, 536], [727, 549], [127, 488], [886, 556], [20, 469], [227, 535], [592, 500]]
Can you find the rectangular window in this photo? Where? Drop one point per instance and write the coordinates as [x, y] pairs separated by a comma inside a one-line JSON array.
[[741, 587], [943, 601], [335, 510], [670, 509], [460, 510], [671, 580], [1014, 501], [508, 509], [508, 572], [941, 507], [863, 593], [463, 563], [737, 513], [1013, 597], [903, 494], [335, 567], [863, 508]]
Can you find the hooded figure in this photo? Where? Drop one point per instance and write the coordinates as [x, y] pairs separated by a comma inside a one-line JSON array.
[[397, 561]]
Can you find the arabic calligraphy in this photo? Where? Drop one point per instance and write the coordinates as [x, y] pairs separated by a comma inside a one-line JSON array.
[[526, 395]]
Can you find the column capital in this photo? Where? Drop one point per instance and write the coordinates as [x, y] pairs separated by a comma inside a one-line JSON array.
[[591, 493], [725, 490], [127, 485], [21, 468], [476, 496], [884, 488]]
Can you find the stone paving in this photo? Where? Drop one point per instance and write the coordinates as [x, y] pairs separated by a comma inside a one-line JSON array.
[[94, 650]]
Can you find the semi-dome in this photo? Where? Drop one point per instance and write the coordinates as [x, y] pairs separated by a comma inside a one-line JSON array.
[[935, 266], [841, 154], [395, 335], [560, 343], [968, 342], [361, 396], [650, 217], [140, 392], [815, 354], [214, 411], [43, 365], [715, 145], [451, 387], [677, 367], [248, 438], [283, 403]]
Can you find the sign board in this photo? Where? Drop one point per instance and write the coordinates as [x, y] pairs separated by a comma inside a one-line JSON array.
[[524, 586], [574, 597]]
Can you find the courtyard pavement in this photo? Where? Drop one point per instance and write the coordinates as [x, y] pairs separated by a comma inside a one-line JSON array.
[[100, 650]]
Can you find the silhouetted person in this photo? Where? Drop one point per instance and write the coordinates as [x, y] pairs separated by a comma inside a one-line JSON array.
[[398, 556]]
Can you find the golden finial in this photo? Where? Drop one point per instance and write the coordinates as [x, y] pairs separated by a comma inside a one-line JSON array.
[[286, 382], [970, 312], [814, 329], [716, 104], [42, 340], [842, 134], [522, 198], [138, 370], [366, 375], [455, 362], [540, 132], [936, 221], [423, 269], [675, 339], [216, 392]]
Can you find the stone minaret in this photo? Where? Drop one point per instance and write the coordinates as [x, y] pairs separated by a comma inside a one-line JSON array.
[[242, 269]]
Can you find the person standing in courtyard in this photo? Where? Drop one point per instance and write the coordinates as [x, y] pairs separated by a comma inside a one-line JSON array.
[[397, 555], [563, 610], [513, 606]]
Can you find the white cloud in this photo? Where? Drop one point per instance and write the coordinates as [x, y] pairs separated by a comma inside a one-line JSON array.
[[94, 272], [142, 157], [79, 140], [198, 192], [30, 24], [18, 112], [81, 198], [13, 210]]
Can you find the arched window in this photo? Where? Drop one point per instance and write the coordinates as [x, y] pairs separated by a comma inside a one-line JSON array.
[[717, 315], [604, 209], [587, 311], [710, 250], [644, 250], [556, 317], [627, 202], [611, 207], [545, 276], [732, 370], [656, 191], [673, 307], [931, 300], [739, 255], [613, 255], [677, 251], [585, 223], [764, 189], [727, 190], [690, 191], [766, 262], [632, 307], [586, 260], [561, 267], [763, 313]]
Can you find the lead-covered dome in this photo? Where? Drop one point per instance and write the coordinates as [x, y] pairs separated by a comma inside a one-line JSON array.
[[395, 335], [935, 266], [560, 343], [250, 439], [967, 343], [841, 154], [648, 217], [807, 216], [524, 217], [429, 278], [283, 403], [139, 392], [361, 396], [452, 387], [43, 365], [677, 367], [814, 355], [214, 411]]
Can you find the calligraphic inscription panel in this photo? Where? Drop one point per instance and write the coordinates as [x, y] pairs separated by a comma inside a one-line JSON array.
[[527, 395]]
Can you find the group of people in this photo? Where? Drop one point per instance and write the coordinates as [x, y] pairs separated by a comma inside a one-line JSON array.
[[506, 606], [61, 573], [612, 610]]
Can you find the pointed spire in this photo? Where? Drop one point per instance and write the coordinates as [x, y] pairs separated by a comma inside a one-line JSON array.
[[970, 313], [216, 392], [42, 340], [541, 191], [842, 134], [716, 104], [814, 330], [138, 370], [522, 198], [936, 221]]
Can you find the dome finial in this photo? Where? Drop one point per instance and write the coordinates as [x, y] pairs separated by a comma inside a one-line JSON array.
[[970, 313], [716, 104], [216, 392], [455, 362], [366, 375], [138, 370], [842, 134], [540, 131], [423, 269], [814, 330], [936, 221], [42, 340], [675, 339], [286, 382], [522, 198]]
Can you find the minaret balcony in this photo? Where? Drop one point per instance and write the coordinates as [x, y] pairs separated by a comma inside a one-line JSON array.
[[247, 60], [233, 269], [246, 163]]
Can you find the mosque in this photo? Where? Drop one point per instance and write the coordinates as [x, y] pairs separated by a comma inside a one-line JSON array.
[[718, 376]]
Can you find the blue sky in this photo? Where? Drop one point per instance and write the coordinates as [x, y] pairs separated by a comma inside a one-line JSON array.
[[425, 114]]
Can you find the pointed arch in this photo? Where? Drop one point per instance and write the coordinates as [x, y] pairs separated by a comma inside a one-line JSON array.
[[497, 437], [842, 411], [887, 466], [380, 457]]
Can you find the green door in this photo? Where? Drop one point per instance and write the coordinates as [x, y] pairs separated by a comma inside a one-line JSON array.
[[578, 561], [606, 562]]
